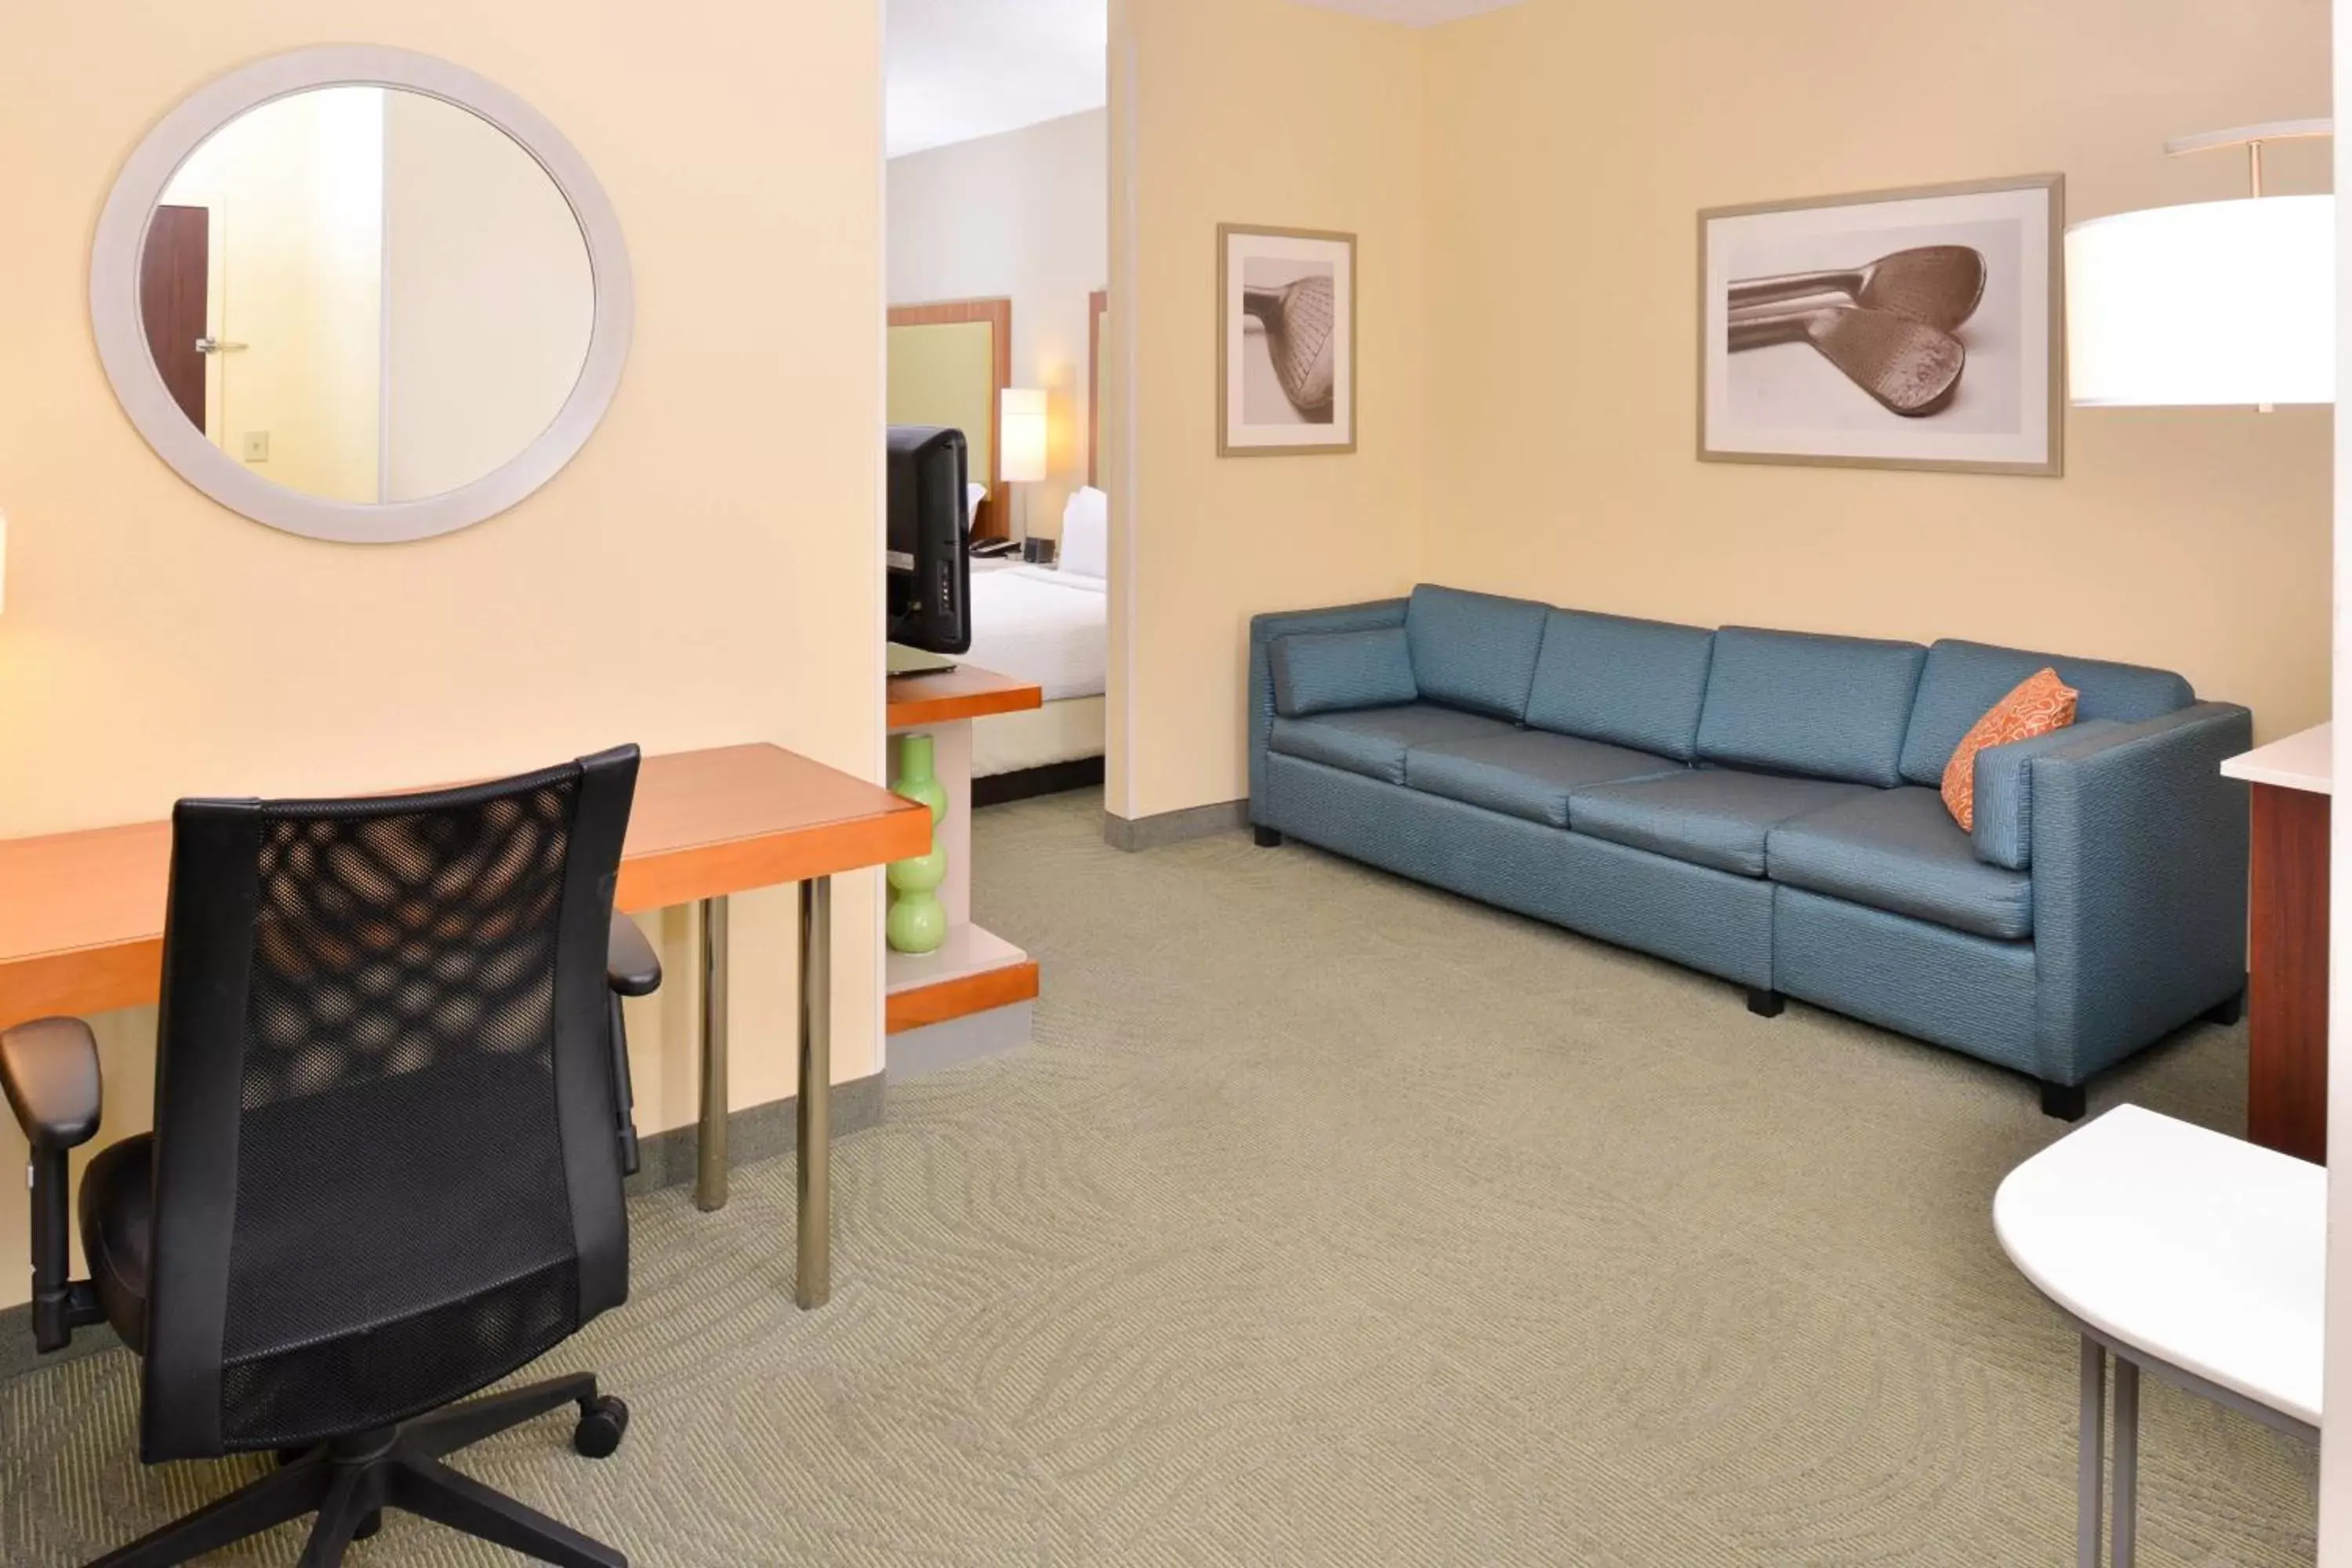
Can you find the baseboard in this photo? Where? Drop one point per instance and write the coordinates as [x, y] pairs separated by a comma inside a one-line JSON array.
[[973, 1037], [1027, 784], [665, 1160], [755, 1133], [1174, 826]]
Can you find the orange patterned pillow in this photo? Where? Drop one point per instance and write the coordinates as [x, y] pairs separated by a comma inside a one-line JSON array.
[[2039, 704]]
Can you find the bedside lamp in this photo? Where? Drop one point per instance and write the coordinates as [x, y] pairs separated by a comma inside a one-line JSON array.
[[2212, 303], [1020, 440]]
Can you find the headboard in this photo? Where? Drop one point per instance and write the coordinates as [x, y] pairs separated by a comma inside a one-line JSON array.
[[950, 364]]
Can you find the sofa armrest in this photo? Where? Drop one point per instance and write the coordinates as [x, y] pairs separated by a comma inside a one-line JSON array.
[[2139, 884], [2004, 792], [1263, 631]]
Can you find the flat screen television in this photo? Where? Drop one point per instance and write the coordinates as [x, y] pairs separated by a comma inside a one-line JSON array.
[[930, 580]]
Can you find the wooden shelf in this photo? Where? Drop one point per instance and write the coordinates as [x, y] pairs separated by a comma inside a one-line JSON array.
[[975, 970], [963, 692]]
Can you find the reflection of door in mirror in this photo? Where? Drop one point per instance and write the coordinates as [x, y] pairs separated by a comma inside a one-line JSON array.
[[174, 273], [398, 301]]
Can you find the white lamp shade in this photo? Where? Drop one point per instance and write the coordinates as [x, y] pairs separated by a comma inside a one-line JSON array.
[[2214, 303], [1020, 436]]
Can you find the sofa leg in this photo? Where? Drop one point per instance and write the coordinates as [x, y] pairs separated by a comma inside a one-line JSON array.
[[1765, 1002], [1267, 838], [2066, 1102], [2228, 1012]]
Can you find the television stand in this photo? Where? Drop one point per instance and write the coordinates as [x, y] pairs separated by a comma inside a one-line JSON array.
[[904, 660]]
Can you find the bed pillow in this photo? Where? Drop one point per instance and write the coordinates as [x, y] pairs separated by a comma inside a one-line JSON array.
[[1086, 534], [972, 496]]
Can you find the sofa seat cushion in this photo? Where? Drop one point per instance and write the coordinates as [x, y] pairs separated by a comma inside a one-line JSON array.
[[1708, 817], [1526, 773], [1899, 850], [1373, 741]]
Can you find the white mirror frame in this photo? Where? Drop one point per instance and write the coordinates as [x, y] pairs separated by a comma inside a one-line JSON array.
[[123, 334]]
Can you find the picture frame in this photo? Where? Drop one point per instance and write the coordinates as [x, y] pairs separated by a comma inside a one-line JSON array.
[[1286, 342], [1919, 328]]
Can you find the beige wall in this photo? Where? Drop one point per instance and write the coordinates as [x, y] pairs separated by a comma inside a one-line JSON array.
[[490, 299], [1570, 147], [707, 571], [1023, 216], [1258, 111], [1527, 184]]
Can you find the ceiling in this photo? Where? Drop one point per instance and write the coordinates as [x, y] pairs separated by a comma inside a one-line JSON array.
[[965, 69]]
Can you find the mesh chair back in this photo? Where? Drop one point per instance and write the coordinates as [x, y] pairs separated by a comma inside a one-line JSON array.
[[385, 1097]]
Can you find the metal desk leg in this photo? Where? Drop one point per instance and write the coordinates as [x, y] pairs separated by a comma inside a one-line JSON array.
[[2126, 1490], [2090, 1460], [710, 1140], [813, 1277]]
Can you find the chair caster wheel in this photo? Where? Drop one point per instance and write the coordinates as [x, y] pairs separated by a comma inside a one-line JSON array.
[[601, 1422], [369, 1526]]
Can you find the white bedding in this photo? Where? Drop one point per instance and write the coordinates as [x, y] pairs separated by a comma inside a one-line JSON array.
[[1039, 624]]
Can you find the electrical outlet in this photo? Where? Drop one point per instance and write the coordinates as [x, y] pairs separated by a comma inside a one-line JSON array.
[[257, 445]]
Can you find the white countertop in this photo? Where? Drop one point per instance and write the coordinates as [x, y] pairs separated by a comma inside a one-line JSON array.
[[2203, 1250], [2306, 761]]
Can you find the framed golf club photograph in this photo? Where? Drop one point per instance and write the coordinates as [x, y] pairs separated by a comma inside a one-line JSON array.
[[1906, 329], [1286, 342]]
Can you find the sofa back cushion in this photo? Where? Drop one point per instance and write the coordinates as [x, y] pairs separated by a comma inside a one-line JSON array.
[[1475, 651], [1963, 679], [1827, 707], [1628, 682], [1330, 672]]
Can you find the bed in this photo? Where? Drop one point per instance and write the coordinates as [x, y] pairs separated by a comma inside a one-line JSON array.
[[1048, 625]]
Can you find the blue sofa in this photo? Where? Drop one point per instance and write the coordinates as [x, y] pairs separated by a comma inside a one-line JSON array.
[[1764, 806]]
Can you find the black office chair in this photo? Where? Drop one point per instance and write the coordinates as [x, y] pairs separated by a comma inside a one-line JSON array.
[[391, 1124]]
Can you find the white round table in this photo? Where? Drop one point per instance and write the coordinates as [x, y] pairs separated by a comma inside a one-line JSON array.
[[2197, 1256]]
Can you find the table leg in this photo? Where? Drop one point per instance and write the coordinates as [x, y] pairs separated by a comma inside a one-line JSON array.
[[710, 1139], [813, 1277], [2090, 1460], [2127, 1487]]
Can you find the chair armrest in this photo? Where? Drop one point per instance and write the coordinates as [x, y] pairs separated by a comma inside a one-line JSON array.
[[49, 1070], [2139, 884], [1263, 631], [630, 967]]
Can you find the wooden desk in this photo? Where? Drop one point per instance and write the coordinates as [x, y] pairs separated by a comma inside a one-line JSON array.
[[2291, 782], [82, 920]]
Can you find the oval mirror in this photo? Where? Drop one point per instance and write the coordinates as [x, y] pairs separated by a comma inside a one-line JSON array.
[[361, 294]]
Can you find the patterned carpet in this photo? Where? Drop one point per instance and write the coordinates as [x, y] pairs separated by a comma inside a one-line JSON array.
[[1334, 1220]]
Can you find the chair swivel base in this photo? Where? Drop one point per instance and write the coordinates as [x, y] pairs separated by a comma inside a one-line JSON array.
[[349, 1482]]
